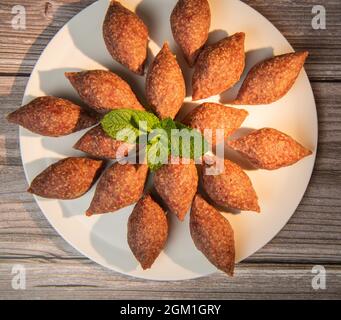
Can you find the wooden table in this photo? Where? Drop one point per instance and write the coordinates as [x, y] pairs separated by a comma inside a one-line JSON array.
[[282, 269]]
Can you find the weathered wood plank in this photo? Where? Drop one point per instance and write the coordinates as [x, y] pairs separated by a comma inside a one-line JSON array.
[[67, 279], [19, 50], [312, 235]]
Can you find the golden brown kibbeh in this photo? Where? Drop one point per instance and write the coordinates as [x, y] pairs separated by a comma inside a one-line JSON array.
[[126, 37], [213, 235], [231, 189], [177, 184], [269, 149], [165, 85], [98, 144], [271, 79], [103, 90], [219, 67], [121, 185], [190, 22], [147, 231], [51, 116], [215, 116], [68, 178]]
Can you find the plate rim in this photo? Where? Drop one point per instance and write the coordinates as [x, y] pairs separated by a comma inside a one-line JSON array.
[[107, 265]]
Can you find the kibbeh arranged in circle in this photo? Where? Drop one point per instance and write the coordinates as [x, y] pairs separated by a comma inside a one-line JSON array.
[[213, 235], [219, 67], [270, 80], [190, 23], [147, 231], [103, 90], [126, 37], [66, 179], [269, 149], [165, 85], [52, 117]]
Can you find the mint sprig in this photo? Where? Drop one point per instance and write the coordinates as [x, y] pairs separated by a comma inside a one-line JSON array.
[[164, 137], [138, 122]]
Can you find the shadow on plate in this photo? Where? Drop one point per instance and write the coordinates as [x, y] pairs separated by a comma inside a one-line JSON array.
[[235, 156], [189, 257], [109, 229], [216, 35], [37, 166], [157, 24], [186, 108], [64, 145]]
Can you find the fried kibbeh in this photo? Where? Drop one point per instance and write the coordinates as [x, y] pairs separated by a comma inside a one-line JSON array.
[[269, 149], [219, 67], [66, 179], [231, 189], [177, 184], [126, 37], [120, 185], [165, 85], [271, 79], [190, 23], [147, 231], [215, 116], [98, 144], [103, 90], [157, 134], [52, 117], [213, 235]]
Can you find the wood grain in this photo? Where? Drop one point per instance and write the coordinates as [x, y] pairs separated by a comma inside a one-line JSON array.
[[68, 279], [282, 269], [20, 50]]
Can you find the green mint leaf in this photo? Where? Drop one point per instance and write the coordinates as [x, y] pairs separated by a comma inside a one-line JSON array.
[[124, 124], [165, 136], [167, 124], [157, 154], [143, 117], [188, 142], [180, 140]]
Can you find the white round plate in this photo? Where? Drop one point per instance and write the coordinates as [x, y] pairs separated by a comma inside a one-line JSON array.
[[79, 46]]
